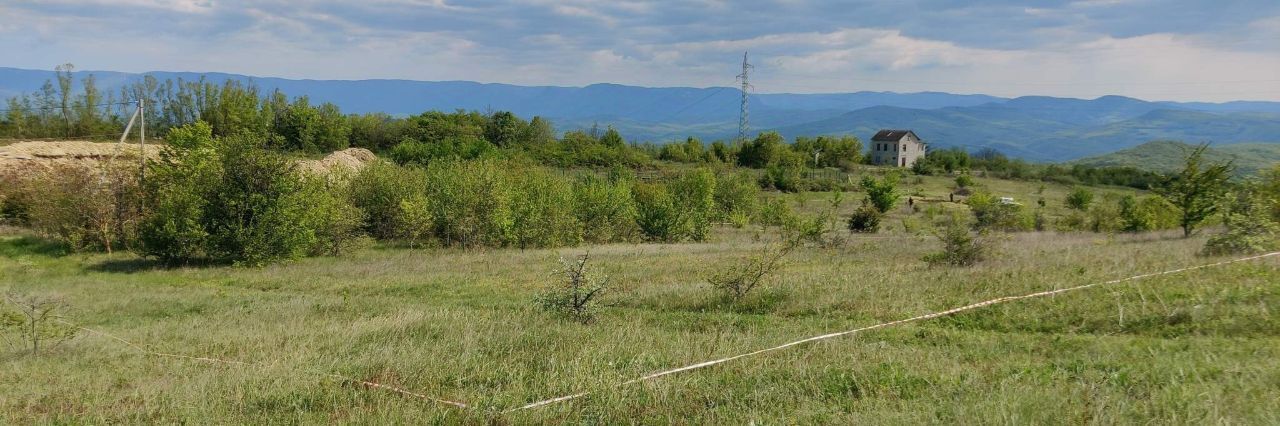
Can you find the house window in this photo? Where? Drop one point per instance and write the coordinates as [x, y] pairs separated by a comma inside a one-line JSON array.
[[904, 147]]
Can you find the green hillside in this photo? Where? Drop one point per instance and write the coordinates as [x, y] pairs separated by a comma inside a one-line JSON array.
[[1249, 158]]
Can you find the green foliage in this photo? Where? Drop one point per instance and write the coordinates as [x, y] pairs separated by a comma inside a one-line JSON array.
[[766, 149], [379, 190], [542, 211], [940, 161], [414, 221], [471, 202], [575, 297], [991, 214], [1079, 199], [882, 193], [1196, 189], [832, 151], [230, 199], [413, 152], [338, 223], [82, 208], [605, 209], [736, 197], [1250, 227], [375, 131], [656, 212], [964, 181], [960, 246], [775, 211], [866, 219], [694, 196]]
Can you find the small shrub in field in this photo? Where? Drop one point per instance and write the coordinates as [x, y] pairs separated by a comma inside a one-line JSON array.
[[33, 323], [1249, 227], [866, 219], [656, 212], [1105, 216], [605, 209], [990, 213], [378, 191], [543, 212], [960, 246], [775, 212], [883, 193], [1079, 199], [575, 295], [964, 181], [736, 281]]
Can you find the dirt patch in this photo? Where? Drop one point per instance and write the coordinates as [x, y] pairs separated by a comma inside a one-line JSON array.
[[37, 155], [348, 160]]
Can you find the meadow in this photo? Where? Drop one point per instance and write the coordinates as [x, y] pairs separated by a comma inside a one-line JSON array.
[[1190, 348]]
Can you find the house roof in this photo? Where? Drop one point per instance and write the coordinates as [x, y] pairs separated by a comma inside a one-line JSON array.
[[893, 135]]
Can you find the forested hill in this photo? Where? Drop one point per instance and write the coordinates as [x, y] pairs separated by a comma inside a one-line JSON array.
[[1166, 156], [1033, 127]]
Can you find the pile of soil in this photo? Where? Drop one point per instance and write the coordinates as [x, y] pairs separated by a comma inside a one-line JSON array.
[[40, 155]]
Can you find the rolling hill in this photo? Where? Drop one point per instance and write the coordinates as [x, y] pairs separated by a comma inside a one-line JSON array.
[[1165, 156]]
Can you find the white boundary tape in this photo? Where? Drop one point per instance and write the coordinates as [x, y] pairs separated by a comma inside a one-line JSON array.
[[882, 325]]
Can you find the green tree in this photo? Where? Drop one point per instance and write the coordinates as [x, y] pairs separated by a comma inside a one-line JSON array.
[[1079, 199], [1196, 189], [883, 193]]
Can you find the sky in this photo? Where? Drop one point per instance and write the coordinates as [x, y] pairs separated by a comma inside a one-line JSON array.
[[1151, 49]]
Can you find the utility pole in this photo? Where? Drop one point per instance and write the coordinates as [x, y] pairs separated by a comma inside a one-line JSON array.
[[142, 141], [746, 85]]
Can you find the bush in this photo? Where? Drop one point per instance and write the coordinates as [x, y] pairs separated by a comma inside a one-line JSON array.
[[656, 212], [575, 296], [1079, 199], [883, 193], [337, 223], [542, 212], [470, 202], [990, 213], [736, 196], [379, 191], [1249, 227], [964, 181], [228, 200], [414, 222], [605, 209], [960, 247], [414, 152], [694, 195], [83, 208], [35, 320], [735, 281], [866, 219], [775, 212]]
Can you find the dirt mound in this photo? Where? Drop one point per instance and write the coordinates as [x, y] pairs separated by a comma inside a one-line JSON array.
[[350, 159], [37, 155], [43, 155]]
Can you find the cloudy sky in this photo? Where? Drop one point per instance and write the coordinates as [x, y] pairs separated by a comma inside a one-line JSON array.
[[1152, 49]]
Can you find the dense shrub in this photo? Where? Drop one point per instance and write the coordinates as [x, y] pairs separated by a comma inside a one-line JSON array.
[[866, 219], [656, 212], [775, 211], [413, 152], [990, 213], [694, 196], [542, 211], [471, 202], [228, 199], [1079, 199], [605, 209], [737, 199], [378, 191], [84, 208], [964, 181], [414, 222], [337, 222], [882, 193], [1249, 226]]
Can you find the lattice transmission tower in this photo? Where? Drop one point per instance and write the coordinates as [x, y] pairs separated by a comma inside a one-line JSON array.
[[746, 86]]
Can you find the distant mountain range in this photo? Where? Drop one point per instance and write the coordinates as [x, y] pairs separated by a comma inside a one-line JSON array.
[[1033, 127], [1167, 156]]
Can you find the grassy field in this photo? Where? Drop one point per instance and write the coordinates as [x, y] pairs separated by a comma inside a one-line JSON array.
[[1198, 347]]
